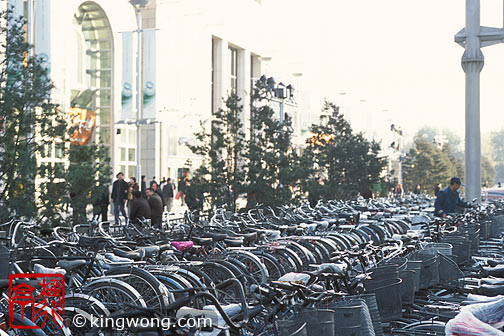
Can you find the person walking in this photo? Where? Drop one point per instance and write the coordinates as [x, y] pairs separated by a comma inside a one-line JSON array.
[[399, 191], [119, 196], [437, 189], [101, 205], [157, 190], [417, 190], [315, 193], [182, 186], [194, 198], [156, 207], [168, 190], [153, 181], [143, 183], [140, 208], [448, 199]]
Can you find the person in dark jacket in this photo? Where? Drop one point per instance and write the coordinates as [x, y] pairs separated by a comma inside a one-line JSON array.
[[156, 189], [140, 208], [101, 204], [194, 199], [119, 196], [437, 189], [156, 207], [448, 199], [143, 183], [168, 189], [315, 193]]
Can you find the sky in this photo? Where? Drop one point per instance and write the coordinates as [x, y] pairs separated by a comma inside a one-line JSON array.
[[393, 60]]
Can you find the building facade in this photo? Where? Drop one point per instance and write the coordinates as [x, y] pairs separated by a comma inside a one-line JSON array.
[[203, 50]]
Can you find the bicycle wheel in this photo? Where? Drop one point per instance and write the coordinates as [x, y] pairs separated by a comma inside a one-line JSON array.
[[85, 305], [257, 269], [114, 293], [22, 321], [154, 293], [275, 270]]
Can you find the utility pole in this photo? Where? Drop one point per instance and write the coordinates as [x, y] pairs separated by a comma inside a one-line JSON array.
[[474, 37]]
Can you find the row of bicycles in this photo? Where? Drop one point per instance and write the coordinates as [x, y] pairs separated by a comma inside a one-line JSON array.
[[379, 267]]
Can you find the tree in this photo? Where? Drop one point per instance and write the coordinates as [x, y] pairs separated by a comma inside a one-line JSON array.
[[497, 145], [30, 123], [222, 173], [427, 165], [349, 162], [273, 164]]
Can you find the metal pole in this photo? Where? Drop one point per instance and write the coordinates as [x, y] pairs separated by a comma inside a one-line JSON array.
[[281, 110], [472, 63], [138, 92]]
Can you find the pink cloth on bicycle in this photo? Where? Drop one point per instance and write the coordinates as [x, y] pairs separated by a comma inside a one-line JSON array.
[[182, 246]]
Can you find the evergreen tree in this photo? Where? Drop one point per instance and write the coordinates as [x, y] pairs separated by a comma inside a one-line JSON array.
[[30, 123], [273, 165], [222, 173], [349, 162]]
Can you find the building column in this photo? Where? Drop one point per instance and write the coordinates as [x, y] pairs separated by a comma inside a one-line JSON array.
[[472, 63], [244, 87], [222, 71]]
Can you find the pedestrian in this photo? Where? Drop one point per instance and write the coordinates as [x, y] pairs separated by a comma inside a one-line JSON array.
[[143, 185], [162, 183], [182, 185], [168, 190], [448, 199], [399, 191], [417, 190], [119, 196], [153, 181], [194, 199], [101, 204], [315, 192], [158, 191], [367, 193], [437, 189], [140, 208], [499, 185], [156, 207]]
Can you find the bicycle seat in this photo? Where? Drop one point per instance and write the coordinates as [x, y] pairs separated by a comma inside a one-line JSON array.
[[150, 250], [202, 241], [247, 237], [291, 229], [92, 241], [491, 281], [135, 255], [4, 283], [497, 271], [182, 246], [37, 268], [215, 236], [233, 242], [490, 290], [164, 247], [69, 265]]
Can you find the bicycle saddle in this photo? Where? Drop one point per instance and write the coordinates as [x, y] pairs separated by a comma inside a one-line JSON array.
[[202, 241], [215, 236], [233, 242], [497, 271], [37, 268], [69, 265], [491, 281], [135, 255], [92, 241], [490, 290], [182, 246], [247, 237], [149, 251]]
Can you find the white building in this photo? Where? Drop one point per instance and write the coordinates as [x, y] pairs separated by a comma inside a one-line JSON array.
[[203, 49]]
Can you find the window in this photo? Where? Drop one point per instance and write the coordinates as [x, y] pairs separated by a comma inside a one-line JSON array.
[[123, 154], [131, 171], [59, 150], [131, 154], [234, 68], [132, 137]]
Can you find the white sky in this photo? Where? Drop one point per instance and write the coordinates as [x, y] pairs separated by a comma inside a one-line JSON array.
[[397, 55]]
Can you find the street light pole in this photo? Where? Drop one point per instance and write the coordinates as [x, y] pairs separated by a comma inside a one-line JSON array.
[[138, 91], [139, 5]]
